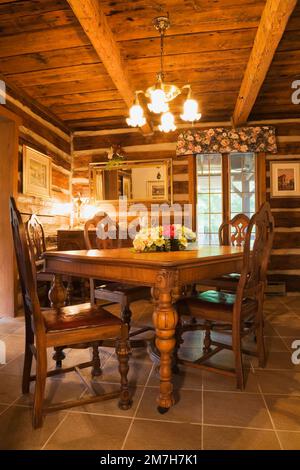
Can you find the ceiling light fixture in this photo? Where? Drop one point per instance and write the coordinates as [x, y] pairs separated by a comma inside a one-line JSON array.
[[162, 93]]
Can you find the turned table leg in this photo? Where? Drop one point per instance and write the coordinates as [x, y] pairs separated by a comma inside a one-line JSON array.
[[165, 319], [57, 296]]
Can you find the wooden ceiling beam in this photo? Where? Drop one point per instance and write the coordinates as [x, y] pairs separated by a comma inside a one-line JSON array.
[[272, 25], [96, 27]]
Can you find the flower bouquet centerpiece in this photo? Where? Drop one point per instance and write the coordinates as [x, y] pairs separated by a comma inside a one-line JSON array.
[[173, 237]]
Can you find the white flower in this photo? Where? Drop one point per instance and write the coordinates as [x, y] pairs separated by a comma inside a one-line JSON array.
[[178, 231], [189, 234], [154, 233], [148, 242], [160, 242], [183, 241], [138, 245]]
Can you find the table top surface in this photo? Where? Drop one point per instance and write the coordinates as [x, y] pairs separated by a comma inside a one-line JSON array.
[[193, 255]]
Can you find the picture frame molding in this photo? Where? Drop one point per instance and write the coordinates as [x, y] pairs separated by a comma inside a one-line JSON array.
[[151, 184], [28, 188], [274, 167]]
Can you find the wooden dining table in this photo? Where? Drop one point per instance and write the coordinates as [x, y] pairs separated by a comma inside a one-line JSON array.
[[166, 272]]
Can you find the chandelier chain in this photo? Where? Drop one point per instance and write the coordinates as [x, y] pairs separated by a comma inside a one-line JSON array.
[[162, 73]]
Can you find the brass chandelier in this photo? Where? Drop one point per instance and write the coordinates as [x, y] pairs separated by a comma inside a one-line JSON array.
[[162, 93]]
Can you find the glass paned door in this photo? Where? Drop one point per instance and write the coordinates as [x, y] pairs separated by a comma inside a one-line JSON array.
[[209, 198], [242, 183]]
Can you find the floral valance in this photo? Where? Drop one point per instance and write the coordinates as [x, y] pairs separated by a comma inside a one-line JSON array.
[[221, 140]]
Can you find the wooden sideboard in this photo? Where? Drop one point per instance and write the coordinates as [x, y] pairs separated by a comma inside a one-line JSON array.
[[73, 239]]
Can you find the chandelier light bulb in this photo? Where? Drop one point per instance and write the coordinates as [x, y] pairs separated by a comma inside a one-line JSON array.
[[136, 116], [190, 111], [167, 122], [158, 102]]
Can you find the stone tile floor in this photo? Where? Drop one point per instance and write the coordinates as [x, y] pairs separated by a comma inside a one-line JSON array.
[[209, 414]]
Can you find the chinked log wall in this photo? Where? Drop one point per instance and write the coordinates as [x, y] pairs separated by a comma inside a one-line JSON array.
[[285, 259], [41, 133]]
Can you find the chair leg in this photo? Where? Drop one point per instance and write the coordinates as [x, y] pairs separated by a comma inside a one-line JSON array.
[[126, 314], [58, 356], [194, 291], [238, 358], [41, 374], [123, 350], [96, 370], [84, 288], [27, 369], [69, 291], [92, 292], [260, 341], [207, 339], [261, 346]]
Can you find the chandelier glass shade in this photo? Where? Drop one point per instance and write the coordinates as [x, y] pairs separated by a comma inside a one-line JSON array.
[[136, 115], [167, 122], [162, 93]]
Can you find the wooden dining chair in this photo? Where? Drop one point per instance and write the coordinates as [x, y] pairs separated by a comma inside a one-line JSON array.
[[37, 244], [63, 327], [232, 232], [239, 313], [35, 235], [115, 292]]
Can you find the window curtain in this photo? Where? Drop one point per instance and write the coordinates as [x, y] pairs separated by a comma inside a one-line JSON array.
[[221, 140]]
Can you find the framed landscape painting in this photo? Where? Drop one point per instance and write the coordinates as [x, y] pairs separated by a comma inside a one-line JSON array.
[[285, 179], [36, 173], [156, 189]]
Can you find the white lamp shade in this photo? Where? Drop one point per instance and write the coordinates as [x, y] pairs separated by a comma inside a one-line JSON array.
[[190, 111], [136, 116], [167, 122], [158, 102]]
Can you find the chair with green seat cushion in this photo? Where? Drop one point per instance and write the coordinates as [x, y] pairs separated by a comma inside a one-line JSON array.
[[238, 314]]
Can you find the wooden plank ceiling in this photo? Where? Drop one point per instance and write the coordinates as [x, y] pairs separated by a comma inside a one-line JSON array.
[[45, 53]]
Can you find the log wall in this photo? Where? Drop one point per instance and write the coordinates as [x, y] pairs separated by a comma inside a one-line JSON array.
[[285, 259], [44, 134]]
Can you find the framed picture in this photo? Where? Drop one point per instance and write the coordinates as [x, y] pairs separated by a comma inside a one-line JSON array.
[[126, 190], [36, 173], [156, 189], [285, 179]]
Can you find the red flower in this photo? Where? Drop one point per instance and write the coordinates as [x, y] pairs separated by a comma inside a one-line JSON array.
[[169, 231]]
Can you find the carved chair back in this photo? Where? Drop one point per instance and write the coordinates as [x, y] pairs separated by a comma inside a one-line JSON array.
[[255, 261], [36, 237], [27, 274], [233, 232], [36, 241]]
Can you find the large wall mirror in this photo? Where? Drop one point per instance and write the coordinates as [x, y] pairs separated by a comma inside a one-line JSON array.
[[138, 180]]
